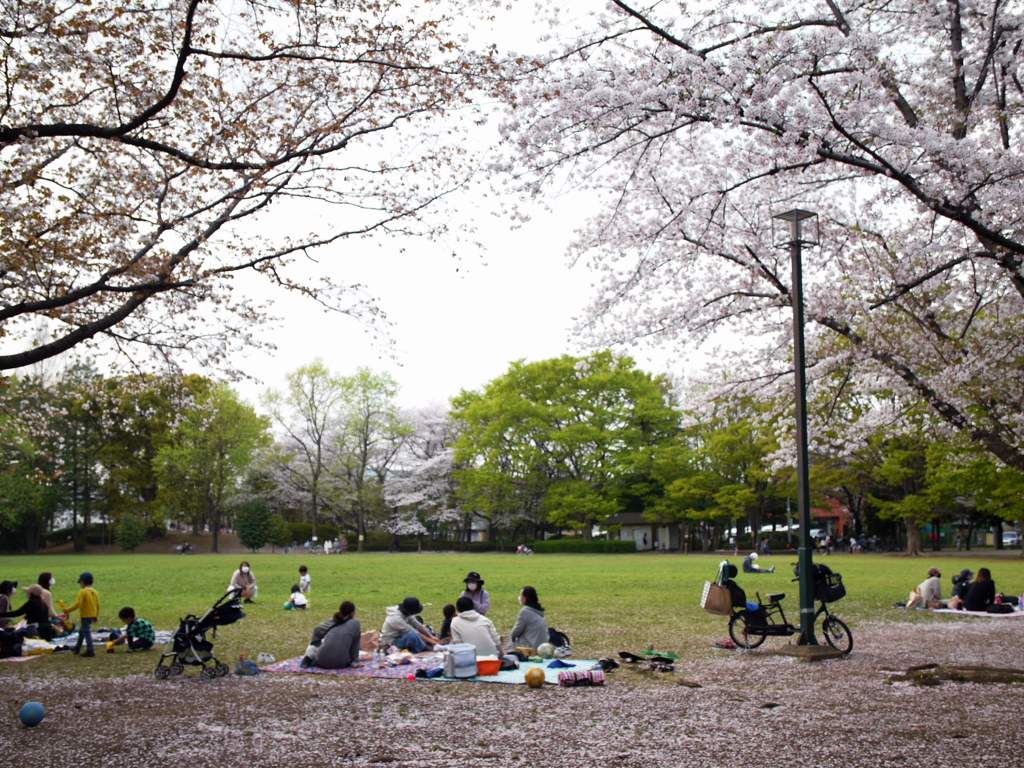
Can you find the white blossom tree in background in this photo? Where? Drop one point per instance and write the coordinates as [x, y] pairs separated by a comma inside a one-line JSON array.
[[421, 489], [140, 142], [900, 123]]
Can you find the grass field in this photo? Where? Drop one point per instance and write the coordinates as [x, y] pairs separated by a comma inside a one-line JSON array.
[[606, 603]]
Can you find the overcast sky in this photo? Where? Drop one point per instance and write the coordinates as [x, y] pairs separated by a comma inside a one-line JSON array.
[[457, 324]]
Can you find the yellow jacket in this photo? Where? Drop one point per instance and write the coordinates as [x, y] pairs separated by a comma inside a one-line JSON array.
[[88, 603]]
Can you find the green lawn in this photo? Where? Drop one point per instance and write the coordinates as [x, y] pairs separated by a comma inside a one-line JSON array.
[[606, 603]]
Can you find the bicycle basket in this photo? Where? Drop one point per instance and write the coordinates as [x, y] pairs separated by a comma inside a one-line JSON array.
[[830, 588]]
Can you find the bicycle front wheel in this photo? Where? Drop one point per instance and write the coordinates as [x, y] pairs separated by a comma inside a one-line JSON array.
[[739, 634], [837, 634]]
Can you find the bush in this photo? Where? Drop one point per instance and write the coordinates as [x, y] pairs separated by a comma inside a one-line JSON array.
[[580, 546], [303, 532], [130, 533]]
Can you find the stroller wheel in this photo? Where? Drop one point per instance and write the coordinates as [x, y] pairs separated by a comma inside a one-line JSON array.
[[177, 668], [162, 672], [222, 669], [208, 673]]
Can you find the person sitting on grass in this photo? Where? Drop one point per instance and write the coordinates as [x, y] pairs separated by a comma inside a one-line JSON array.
[[298, 600], [404, 629], [34, 611], [531, 629], [446, 627], [477, 630], [243, 582], [335, 642], [961, 583], [750, 565], [138, 633], [929, 592], [982, 593]]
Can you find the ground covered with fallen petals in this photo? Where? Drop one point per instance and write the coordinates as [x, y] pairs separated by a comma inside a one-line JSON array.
[[752, 708]]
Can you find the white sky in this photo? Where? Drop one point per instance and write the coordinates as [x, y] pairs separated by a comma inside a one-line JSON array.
[[456, 324]]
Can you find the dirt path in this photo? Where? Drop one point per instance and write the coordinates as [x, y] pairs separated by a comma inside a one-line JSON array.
[[752, 709]]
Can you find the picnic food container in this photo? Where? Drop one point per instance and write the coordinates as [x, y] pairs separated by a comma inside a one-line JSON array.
[[486, 667]]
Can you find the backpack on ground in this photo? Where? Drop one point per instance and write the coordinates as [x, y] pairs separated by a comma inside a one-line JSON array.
[[558, 639]]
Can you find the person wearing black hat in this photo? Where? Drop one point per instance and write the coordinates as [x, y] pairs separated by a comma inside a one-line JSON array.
[[475, 591], [961, 583], [403, 628]]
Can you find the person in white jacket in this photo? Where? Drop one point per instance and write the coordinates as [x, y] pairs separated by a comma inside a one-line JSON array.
[[472, 627]]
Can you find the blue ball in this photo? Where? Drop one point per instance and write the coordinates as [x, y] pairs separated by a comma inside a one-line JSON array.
[[32, 714]]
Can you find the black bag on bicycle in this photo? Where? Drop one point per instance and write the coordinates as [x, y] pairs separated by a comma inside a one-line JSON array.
[[828, 586]]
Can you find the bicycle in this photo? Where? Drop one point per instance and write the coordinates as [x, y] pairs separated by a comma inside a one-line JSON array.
[[750, 627]]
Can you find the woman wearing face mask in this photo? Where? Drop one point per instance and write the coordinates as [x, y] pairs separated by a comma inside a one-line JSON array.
[[245, 582], [475, 591], [46, 583], [531, 630], [8, 589]]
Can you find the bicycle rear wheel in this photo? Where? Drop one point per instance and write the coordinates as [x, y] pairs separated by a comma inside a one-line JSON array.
[[837, 634], [738, 632]]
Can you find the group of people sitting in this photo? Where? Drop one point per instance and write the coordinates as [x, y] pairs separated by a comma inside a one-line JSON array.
[[968, 595], [336, 643]]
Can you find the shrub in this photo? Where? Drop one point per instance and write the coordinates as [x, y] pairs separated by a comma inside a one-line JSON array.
[[580, 546], [130, 533], [303, 532]]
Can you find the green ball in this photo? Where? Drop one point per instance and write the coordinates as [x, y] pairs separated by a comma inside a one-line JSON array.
[[288, 605]]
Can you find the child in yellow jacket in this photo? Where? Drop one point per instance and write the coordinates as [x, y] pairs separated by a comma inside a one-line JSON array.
[[88, 606]]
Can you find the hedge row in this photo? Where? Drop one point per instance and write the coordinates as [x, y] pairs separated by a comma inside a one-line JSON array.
[[578, 545]]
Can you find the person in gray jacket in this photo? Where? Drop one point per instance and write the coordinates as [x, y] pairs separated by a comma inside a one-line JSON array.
[[335, 643], [531, 630]]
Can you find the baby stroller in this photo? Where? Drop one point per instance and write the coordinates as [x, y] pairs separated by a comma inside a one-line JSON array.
[[188, 644]]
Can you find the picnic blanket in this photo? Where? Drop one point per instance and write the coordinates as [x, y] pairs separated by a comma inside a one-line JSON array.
[[986, 614], [429, 663]]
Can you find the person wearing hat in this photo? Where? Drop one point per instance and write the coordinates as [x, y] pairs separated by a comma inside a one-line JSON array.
[[88, 606], [8, 589], [961, 583], [929, 592], [34, 611], [404, 629], [475, 591], [750, 565]]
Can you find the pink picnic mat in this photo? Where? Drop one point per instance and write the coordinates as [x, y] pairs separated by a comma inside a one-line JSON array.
[[360, 669]]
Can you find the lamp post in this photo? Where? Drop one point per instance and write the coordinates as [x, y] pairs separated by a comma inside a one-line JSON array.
[[795, 229]]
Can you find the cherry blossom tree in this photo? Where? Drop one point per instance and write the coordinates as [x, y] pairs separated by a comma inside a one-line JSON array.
[[141, 142], [421, 486], [899, 123]]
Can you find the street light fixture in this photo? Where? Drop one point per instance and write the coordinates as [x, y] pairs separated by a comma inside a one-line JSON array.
[[795, 229]]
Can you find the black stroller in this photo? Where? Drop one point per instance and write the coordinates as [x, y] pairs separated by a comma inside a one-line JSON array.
[[188, 644]]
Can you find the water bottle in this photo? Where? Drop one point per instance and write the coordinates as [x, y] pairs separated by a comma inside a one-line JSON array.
[[999, 599]]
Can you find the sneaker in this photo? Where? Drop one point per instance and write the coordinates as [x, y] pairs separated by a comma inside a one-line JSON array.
[[306, 663], [247, 600], [76, 650], [772, 569], [88, 654]]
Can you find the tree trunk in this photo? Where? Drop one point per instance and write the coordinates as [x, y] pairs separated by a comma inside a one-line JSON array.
[[588, 529], [913, 536]]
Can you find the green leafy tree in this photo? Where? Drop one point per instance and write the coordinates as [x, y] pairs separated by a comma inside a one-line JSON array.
[[277, 532], [253, 524], [130, 533], [561, 432], [370, 435], [203, 465]]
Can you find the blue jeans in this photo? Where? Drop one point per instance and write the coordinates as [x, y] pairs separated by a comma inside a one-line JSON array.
[[85, 633], [411, 641]]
